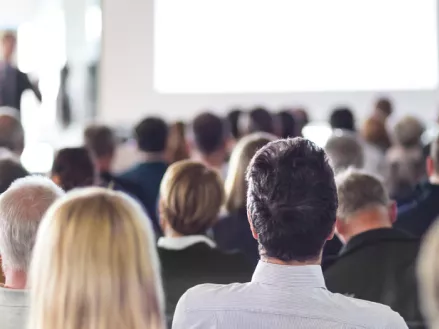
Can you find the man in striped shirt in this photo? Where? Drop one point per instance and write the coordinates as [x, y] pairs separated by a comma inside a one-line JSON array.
[[292, 204]]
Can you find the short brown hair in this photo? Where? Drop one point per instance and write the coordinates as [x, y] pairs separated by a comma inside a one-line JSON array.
[[408, 131], [100, 140], [191, 196]]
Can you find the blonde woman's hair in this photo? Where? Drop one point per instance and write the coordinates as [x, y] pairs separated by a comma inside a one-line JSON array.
[[95, 266], [428, 276], [191, 196], [235, 185]]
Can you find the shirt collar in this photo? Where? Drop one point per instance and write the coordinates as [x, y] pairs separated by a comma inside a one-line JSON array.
[[374, 237], [183, 242], [307, 276]]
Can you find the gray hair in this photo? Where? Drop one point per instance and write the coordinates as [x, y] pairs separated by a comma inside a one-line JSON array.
[[22, 207], [357, 191], [408, 132], [344, 151], [11, 130], [428, 276]]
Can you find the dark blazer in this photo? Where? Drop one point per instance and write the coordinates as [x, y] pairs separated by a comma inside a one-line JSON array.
[[232, 233], [148, 177], [380, 266], [416, 216], [13, 83], [199, 264]]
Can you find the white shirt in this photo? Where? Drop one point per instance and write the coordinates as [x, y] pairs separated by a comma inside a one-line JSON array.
[[183, 242], [14, 307], [280, 297]]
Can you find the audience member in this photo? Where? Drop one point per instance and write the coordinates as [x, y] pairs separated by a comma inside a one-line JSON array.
[[95, 265], [210, 137], [287, 124], [383, 109], [232, 232], [10, 170], [292, 204], [417, 215], [342, 118], [11, 130], [344, 151], [261, 120], [177, 148], [191, 196], [406, 160], [428, 275], [22, 207], [152, 136], [233, 119], [101, 142], [302, 119], [73, 168], [375, 133], [377, 262]]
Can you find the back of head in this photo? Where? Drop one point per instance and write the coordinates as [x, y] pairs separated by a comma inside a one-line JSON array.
[[10, 170], [191, 196], [288, 124], [100, 140], [428, 276], [261, 121], [11, 131], [375, 133], [408, 132], [74, 167], [342, 118], [384, 108], [292, 199], [151, 135], [177, 148], [235, 185], [359, 191], [209, 133], [22, 208], [233, 118], [344, 150], [406, 168], [95, 265]]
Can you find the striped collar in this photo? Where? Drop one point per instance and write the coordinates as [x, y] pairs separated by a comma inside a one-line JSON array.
[[307, 276]]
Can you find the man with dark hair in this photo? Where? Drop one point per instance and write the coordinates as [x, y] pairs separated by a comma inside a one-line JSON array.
[[383, 108], [151, 135], [13, 82], [101, 142], [259, 120], [418, 214], [233, 118], [377, 262], [342, 118], [291, 204], [10, 170], [210, 136]]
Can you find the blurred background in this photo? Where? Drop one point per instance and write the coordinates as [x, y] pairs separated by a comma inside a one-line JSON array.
[[117, 61]]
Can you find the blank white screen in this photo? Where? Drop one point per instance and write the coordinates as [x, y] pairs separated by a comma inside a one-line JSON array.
[[271, 46]]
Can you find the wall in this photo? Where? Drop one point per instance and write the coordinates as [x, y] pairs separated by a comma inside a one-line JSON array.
[[126, 85]]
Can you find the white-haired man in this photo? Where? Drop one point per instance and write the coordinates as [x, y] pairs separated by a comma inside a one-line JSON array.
[[22, 207]]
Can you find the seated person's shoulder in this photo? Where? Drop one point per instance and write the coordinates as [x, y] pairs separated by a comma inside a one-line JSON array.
[[368, 314], [213, 296]]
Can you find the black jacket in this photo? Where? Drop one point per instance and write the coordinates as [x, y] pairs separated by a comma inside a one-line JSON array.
[[379, 266], [232, 232], [13, 83], [417, 216], [199, 264]]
